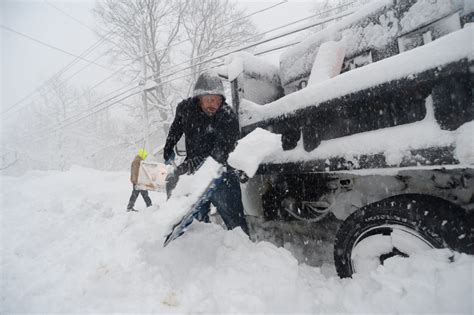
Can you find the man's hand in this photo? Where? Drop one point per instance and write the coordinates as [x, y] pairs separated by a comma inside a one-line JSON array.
[[243, 177], [194, 164], [170, 159], [189, 166], [181, 169]]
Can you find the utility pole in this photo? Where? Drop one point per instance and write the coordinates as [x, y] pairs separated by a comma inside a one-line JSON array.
[[144, 95]]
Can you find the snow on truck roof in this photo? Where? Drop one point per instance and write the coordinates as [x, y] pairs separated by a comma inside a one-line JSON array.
[[298, 60], [450, 48]]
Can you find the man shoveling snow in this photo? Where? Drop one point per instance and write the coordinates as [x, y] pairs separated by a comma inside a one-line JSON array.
[[211, 129]]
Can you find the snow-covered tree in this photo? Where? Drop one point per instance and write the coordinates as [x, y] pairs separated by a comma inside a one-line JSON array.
[[213, 27], [143, 31], [176, 35], [51, 133]]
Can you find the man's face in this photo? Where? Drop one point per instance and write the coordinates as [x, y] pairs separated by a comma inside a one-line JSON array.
[[210, 104]]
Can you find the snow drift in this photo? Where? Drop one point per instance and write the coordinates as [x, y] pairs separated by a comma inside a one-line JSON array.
[[68, 245]]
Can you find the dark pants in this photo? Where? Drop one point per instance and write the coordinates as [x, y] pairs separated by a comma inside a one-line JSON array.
[[226, 197], [134, 197]]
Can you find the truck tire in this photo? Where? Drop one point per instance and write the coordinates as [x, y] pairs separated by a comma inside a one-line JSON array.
[[400, 226]]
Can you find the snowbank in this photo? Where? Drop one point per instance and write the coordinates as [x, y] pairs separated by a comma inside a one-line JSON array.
[[69, 246]]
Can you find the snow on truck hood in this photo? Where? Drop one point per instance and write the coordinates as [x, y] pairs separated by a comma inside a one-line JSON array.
[[394, 143], [450, 48]]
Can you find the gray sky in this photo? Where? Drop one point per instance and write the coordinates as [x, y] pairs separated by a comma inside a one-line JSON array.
[[27, 64]]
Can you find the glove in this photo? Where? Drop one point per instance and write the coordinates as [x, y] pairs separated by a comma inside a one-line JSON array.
[[181, 169], [243, 177], [170, 159], [194, 164], [189, 166]]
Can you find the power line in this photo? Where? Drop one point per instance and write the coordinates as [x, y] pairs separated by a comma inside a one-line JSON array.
[[67, 67], [277, 48], [101, 82], [246, 47], [57, 74], [299, 41], [117, 71], [87, 113], [240, 49], [60, 72], [103, 101], [228, 23], [61, 125], [256, 12], [48, 45], [70, 16], [126, 65], [78, 119], [250, 45], [272, 30], [207, 61]]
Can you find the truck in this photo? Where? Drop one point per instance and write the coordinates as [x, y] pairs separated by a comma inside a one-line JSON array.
[[375, 114]]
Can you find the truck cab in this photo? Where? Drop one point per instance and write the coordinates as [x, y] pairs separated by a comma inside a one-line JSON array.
[[375, 114]]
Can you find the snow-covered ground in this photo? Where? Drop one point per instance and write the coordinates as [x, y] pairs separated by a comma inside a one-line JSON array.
[[69, 246]]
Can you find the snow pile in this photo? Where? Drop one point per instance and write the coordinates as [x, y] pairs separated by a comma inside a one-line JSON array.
[[258, 80], [425, 11], [253, 149], [432, 55], [465, 143], [360, 38], [399, 278], [299, 59], [236, 63], [250, 112], [366, 254], [69, 246], [328, 62]]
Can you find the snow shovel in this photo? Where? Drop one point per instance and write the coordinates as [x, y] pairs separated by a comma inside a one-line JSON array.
[[189, 195]]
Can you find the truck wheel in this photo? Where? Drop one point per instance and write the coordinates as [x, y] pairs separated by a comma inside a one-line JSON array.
[[400, 226]]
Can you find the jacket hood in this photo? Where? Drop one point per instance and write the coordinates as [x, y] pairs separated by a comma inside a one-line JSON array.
[[208, 83]]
